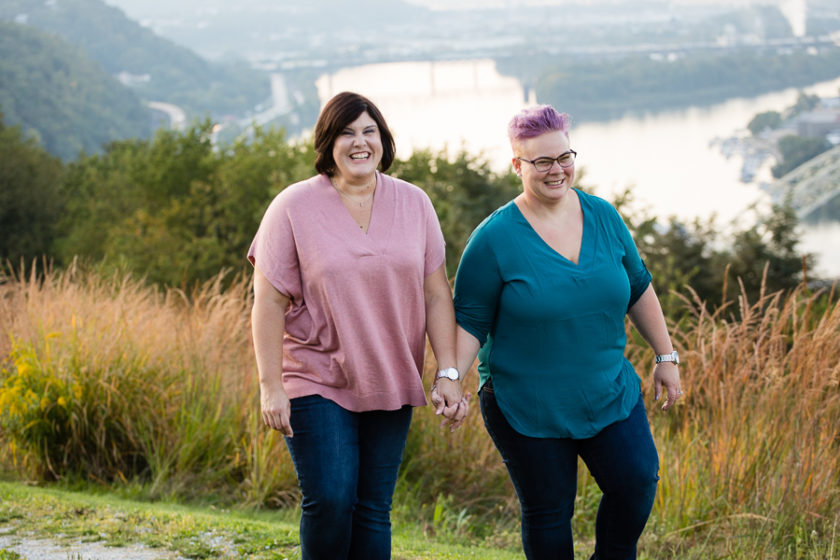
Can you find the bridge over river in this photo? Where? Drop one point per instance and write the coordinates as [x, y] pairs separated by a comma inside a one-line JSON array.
[[811, 185]]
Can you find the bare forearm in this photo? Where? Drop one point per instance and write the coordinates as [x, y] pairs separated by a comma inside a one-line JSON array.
[[268, 323], [267, 329], [446, 394], [440, 319], [466, 349], [649, 320]]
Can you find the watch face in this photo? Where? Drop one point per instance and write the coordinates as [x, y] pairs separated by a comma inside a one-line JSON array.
[[449, 373]]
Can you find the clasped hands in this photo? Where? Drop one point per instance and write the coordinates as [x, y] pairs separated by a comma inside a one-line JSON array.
[[450, 402]]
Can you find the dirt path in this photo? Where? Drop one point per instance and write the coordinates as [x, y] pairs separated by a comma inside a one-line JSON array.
[[42, 549]]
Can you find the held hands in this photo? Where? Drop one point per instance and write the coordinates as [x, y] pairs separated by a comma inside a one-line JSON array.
[[667, 374], [449, 400], [276, 409]]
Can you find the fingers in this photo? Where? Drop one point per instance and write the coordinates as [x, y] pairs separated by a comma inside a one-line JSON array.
[[674, 393], [456, 414], [445, 395], [437, 401], [670, 400], [449, 414], [286, 426], [460, 414], [666, 377], [278, 421]]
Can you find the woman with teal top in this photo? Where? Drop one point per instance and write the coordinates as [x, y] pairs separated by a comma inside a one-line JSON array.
[[541, 294]]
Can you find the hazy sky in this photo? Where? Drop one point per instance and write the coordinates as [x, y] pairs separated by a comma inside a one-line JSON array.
[[467, 4]]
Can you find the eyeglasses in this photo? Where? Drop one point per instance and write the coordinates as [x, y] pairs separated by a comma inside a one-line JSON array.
[[543, 164]]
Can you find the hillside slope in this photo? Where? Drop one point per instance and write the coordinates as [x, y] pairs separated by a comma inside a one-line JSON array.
[[156, 68], [54, 92]]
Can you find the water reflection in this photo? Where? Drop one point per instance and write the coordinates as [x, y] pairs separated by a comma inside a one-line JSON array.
[[437, 105], [670, 159]]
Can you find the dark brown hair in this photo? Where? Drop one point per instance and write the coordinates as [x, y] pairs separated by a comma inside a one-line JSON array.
[[337, 114]]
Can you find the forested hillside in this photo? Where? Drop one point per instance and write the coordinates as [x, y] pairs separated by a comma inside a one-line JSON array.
[[162, 70], [600, 90], [66, 101]]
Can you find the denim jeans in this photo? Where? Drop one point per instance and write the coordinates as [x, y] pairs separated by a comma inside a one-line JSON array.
[[346, 464], [623, 460]]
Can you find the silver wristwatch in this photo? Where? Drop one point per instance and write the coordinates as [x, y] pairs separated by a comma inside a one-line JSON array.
[[672, 357], [448, 373]]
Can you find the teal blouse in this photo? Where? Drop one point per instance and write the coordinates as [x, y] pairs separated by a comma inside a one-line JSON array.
[[551, 331]]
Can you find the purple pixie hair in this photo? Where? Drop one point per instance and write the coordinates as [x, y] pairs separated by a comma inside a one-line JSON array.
[[533, 121]]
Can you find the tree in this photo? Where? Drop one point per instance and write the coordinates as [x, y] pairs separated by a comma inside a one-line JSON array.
[[804, 103], [111, 197], [771, 244], [765, 120], [49, 87], [175, 209], [703, 257], [98, 32], [796, 150], [30, 200], [463, 190]]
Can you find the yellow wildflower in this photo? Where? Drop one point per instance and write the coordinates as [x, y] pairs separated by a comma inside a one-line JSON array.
[[24, 369]]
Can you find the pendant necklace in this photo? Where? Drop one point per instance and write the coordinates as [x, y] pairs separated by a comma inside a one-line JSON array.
[[347, 197]]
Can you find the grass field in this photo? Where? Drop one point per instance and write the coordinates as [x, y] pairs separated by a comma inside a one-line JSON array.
[[107, 384], [63, 516]]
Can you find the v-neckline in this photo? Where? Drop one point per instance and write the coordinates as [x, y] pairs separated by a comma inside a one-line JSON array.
[[365, 232], [583, 235]]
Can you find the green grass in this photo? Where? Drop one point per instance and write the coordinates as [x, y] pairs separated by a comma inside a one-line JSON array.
[[193, 532]]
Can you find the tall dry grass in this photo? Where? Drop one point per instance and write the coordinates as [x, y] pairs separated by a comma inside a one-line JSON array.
[[161, 386], [753, 451], [131, 384]]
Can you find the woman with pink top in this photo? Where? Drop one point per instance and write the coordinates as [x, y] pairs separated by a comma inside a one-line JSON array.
[[349, 278]]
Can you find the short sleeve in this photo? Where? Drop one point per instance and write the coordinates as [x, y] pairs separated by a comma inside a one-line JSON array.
[[435, 243], [637, 272], [274, 250], [478, 284]]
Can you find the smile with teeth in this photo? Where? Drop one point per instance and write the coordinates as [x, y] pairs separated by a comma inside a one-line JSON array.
[[556, 183], [363, 155]]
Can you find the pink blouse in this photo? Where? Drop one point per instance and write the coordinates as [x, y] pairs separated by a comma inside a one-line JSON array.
[[355, 329]]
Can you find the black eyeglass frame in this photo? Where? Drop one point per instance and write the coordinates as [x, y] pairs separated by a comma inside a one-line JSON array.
[[557, 159]]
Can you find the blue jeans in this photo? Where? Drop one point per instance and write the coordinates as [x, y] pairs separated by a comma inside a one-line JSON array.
[[623, 460], [346, 464]]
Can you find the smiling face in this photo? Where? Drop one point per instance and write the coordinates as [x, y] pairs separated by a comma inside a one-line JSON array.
[[549, 187], [357, 149]]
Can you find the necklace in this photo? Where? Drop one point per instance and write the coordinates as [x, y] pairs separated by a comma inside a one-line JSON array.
[[354, 200]]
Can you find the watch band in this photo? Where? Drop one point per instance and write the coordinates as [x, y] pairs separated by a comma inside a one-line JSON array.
[[672, 357], [449, 373]]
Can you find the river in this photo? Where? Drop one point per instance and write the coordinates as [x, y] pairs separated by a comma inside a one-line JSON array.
[[671, 159]]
